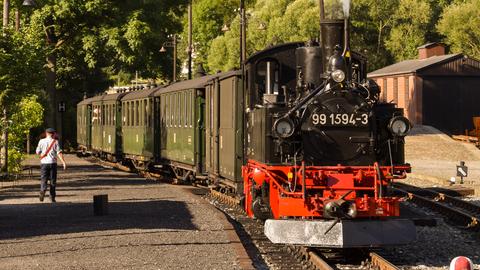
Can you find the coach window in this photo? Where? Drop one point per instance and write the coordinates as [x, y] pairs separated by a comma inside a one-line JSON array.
[[144, 112], [109, 113], [124, 114], [125, 109], [179, 110], [138, 104], [174, 108], [267, 78], [114, 114], [130, 113], [189, 108], [127, 114], [175, 113], [140, 112], [107, 116]]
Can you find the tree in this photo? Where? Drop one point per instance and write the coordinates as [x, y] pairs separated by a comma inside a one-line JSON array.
[[460, 24], [409, 28], [26, 116]]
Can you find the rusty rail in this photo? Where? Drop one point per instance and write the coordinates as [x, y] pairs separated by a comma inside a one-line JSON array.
[[458, 211], [380, 263], [315, 259]]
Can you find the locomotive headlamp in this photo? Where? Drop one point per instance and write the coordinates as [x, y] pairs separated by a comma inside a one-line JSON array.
[[284, 127], [338, 75], [399, 126]]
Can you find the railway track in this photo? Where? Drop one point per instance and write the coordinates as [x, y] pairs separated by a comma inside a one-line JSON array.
[[273, 255], [458, 211], [289, 257]]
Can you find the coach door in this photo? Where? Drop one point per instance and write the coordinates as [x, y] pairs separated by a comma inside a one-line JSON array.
[[211, 131]]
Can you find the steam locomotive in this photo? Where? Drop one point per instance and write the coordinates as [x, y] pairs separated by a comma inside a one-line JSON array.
[[299, 135]]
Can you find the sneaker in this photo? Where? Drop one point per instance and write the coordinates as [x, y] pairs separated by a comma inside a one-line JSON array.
[[53, 199], [42, 195]]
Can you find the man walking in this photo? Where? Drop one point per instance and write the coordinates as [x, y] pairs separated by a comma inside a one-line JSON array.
[[49, 150]]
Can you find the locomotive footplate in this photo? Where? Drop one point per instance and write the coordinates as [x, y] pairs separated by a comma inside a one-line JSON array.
[[344, 234]]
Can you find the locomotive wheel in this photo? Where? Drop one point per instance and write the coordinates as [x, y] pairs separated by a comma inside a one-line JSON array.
[[260, 211]]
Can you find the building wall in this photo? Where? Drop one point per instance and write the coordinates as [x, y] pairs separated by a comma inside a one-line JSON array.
[[406, 92]]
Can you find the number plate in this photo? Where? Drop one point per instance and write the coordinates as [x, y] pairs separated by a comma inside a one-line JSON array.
[[340, 119]]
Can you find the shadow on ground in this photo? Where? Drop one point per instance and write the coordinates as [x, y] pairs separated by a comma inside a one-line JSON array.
[[26, 220], [93, 183]]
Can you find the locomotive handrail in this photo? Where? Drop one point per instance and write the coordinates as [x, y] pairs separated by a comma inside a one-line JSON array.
[[307, 98]]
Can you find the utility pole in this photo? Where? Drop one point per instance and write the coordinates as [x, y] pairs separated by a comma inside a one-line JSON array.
[[174, 57], [243, 33], [190, 45], [4, 150]]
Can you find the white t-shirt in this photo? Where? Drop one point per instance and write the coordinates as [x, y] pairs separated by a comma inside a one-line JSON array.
[[42, 147]]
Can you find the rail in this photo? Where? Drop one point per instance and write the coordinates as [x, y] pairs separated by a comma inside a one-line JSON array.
[[458, 211], [380, 263]]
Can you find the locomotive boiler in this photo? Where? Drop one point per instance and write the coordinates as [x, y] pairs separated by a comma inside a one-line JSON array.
[[321, 147]]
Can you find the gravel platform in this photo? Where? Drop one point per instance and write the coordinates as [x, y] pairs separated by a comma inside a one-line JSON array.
[[434, 156], [150, 225]]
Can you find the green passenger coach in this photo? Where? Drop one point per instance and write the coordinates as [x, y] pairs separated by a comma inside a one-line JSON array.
[[224, 130], [182, 132], [111, 124], [97, 126], [138, 127], [84, 125]]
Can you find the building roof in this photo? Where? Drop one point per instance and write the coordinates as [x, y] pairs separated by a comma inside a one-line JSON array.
[[412, 66], [430, 45]]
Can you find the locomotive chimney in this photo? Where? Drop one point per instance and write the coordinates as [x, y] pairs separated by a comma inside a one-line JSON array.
[[331, 34]]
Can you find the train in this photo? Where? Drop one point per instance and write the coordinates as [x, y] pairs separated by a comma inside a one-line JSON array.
[[299, 135]]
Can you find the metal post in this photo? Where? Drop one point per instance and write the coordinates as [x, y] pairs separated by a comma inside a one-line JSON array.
[[243, 33], [175, 57], [190, 45]]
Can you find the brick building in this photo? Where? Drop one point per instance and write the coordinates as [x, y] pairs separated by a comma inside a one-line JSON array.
[[436, 89]]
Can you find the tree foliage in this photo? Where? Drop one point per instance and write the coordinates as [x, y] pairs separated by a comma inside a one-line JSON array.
[[460, 24]]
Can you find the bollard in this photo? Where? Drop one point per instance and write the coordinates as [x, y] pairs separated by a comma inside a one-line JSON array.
[[100, 205]]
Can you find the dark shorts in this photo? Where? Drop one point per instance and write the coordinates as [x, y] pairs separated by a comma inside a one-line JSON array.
[[48, 172]]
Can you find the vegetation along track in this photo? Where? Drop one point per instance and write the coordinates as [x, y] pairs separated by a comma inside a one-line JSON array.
[[286, 256], [458, 211]]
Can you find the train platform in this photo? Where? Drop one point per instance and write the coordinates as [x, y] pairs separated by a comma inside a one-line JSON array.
[[434, 157], [150, 225]]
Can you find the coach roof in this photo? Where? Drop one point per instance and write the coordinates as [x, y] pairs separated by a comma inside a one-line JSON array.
[[85, 101], [141, 94], [196, 83], [113, 97]]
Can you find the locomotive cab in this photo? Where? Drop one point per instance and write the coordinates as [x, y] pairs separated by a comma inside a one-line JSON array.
[[321, 146]]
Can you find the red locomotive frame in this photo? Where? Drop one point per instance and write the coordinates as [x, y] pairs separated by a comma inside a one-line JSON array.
[[336, 182]]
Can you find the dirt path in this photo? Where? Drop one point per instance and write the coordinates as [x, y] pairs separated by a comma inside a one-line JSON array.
[[150, 225]]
